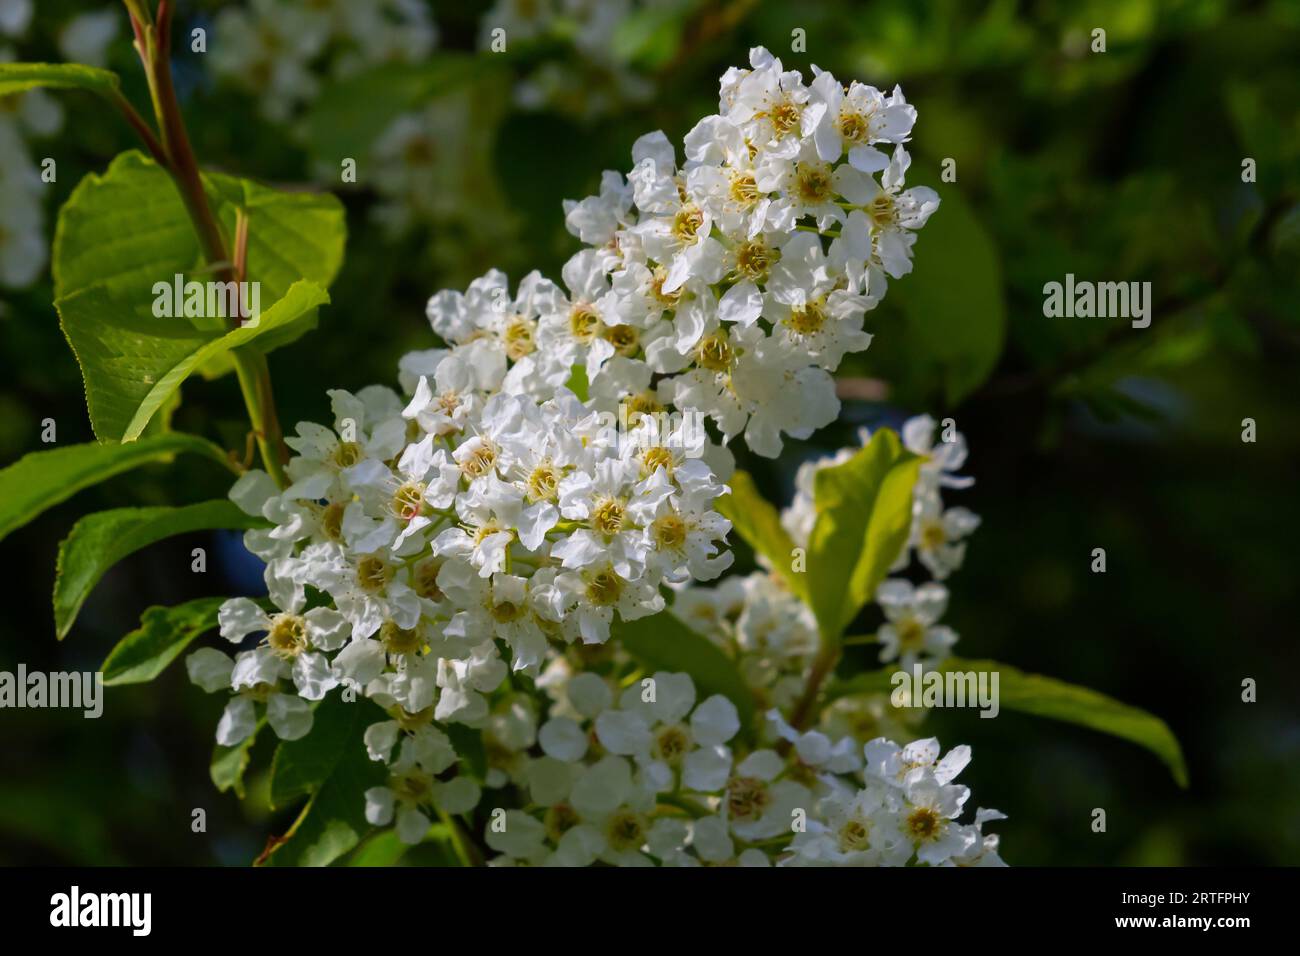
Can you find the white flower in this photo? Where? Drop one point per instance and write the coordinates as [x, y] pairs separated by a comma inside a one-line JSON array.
[[913, 630], [292, 636], [937, 533]]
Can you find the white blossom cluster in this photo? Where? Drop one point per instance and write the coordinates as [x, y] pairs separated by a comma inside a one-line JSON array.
[[460, 552], [590, 80], [741, 276], [909, 807], [274, 48], [937, 540], [770, 634], [653, 775], [439, 526]]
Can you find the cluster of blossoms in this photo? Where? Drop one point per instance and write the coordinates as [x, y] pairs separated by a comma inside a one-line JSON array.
[[462, 552], [909, 807], [275, 48], [590, 81], [937, 541], [740, 278], [422, 164], [652, 775]]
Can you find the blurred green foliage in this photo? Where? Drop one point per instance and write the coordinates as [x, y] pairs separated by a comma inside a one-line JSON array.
[[1117, 166]]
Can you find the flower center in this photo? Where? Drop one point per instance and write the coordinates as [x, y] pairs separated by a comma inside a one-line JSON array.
[[559, 820], [413, 787], [625, 830], [755, 258], [373, 574], [519, 338], [813, 183], [669, 532], [413, 721], [923, 823], [543, 482], [608, 516], [655, 458], [808, 318], [881, 209], [933, 536], [604, 587], [854, 126], [672, 743], [854, 836], [584, 322], [288, 635], [505, 612], [747, 798], [657, 280], [425, 579], [785, 115], [408, 500], [331, 520], [687, 223], [714, 352], [400, 640], [481, 461], [911, 634], [744, 190], [624, 338], [643, 404], [347, 454]]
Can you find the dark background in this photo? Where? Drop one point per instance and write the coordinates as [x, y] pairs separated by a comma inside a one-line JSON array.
[[1116, 166]]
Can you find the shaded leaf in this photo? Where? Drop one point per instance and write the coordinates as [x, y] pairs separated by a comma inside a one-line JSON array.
[[759, 524], [42, 479], [133, 362], [1049, 697], [229, 763], [662, 642], [99, 541], [163, 633], [953, 300], [333, 821], [19, 77], [864, 514]]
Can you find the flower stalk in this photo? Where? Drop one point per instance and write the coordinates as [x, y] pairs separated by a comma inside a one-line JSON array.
[[173, 151]]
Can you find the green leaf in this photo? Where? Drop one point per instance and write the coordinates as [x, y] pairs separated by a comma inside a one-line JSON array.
[[352, 113], [383, 849], [99, 541], [42, 479], [125, 230], [229, 763], [300, 766], [19, 77], [953, 300], [1048, 697], [468, 742], [163, 633], [333, 821], [132, 362], [662, 642], [759, 524], [864, 514], [650, 36], [578, 383]]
